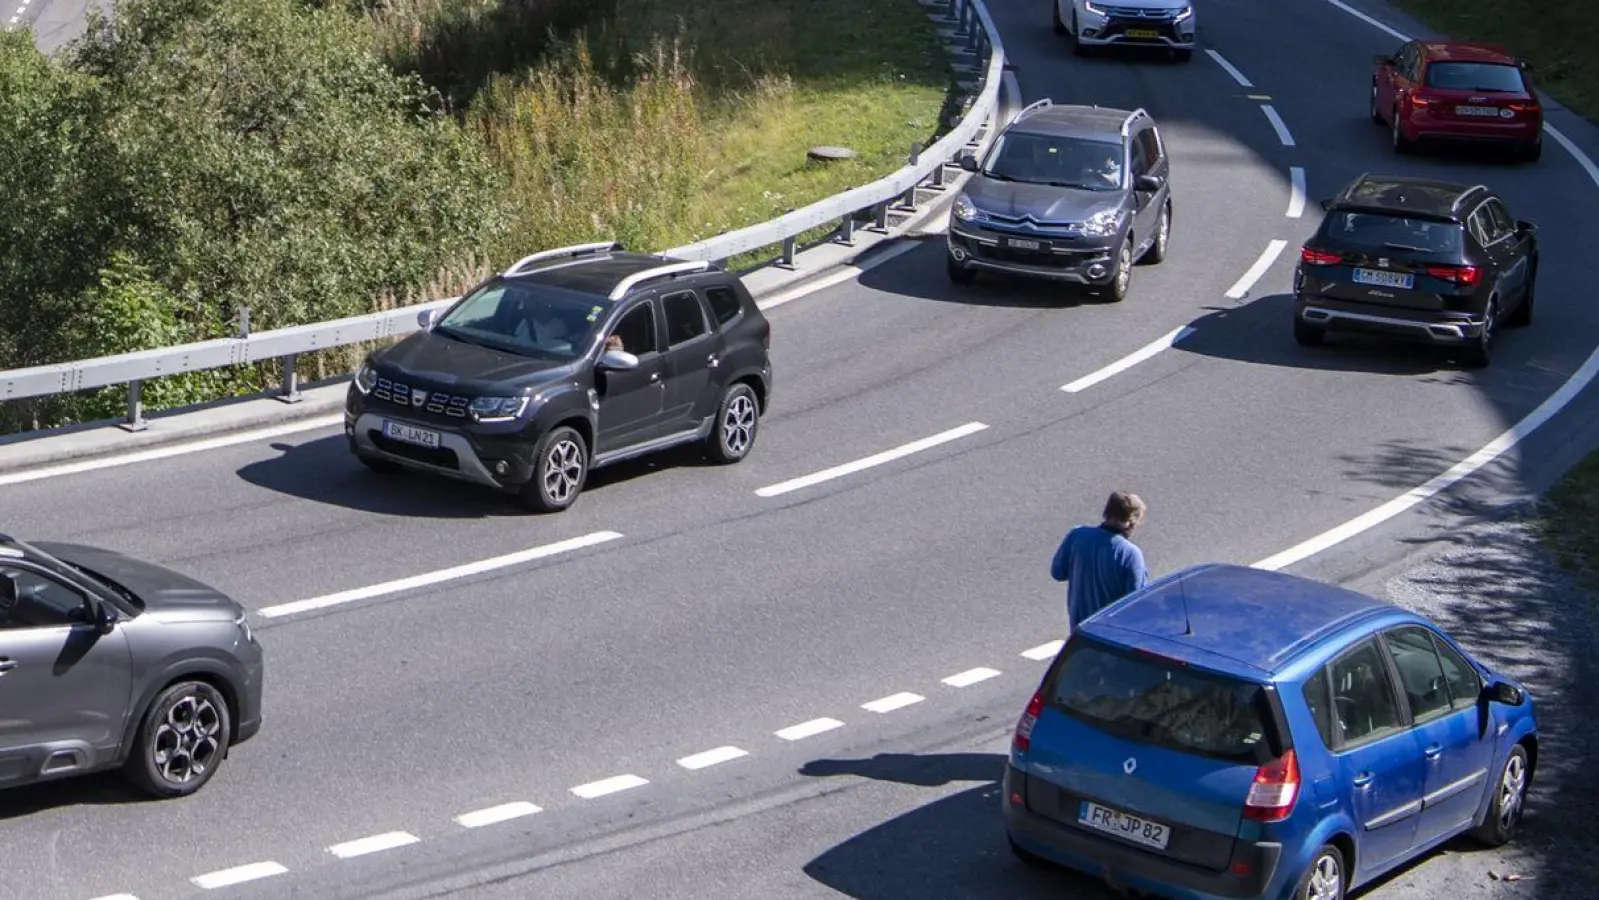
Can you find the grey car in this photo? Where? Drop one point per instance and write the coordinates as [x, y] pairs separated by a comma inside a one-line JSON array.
[[107, 661], [1075, 194]]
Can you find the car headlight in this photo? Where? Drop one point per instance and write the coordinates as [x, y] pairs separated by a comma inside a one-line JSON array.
[[1184, 13], [1104, 223], [365, 378], [1094, 8], [498, 409], [966, 210]]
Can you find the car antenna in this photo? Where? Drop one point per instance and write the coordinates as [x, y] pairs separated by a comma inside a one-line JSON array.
[[1188, 627]]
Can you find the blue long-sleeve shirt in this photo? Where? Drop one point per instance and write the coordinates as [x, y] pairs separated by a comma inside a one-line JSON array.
[[1099, 566]]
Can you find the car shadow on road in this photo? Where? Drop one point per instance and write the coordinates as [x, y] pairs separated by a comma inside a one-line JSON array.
[[323, 471], [1261, 332], [99, 789], [953, 847]]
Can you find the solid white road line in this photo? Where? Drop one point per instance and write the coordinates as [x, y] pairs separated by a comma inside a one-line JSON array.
[[241, 437], [1369, 20], [892, 702], [1277, 124], [1296, 192], [494, 815], [1248, 279], [848, 273], [970, 677], [877, 459], [608, 786], [1230, 68], [237, 875], [374, 844], [442, 575], [117, 897], [711, 758], [808, 729], [1044, 651], [1127, 362]]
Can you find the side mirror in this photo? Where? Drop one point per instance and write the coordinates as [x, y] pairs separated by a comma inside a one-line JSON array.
[[1326, 205], [620, 360], [1382, 59], [1526, 227], [1150, 183], [427, 317], [969, 162], [105, 618], [1503, 692]]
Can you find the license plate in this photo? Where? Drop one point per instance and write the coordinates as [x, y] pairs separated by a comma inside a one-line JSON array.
[[1484, 111], [1385, 279], [1145, 33], [1023, 244], [411, 434], [1134, 828]]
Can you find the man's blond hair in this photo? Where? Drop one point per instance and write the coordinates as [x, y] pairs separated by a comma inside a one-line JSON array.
[[1124, 509]]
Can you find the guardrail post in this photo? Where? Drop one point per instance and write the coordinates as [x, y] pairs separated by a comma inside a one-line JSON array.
[[909, 200], [244, 322], [882, 217], [788, 252], [974, 33], [135, 418], [846, 230], [290, 392]]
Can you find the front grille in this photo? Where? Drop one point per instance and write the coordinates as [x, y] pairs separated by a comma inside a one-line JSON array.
[[1019, 223], [406, 396], [1138, 12]]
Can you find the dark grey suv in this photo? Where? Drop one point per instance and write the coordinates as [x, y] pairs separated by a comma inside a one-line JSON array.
[[107, 661], [571, 359], [1077, 194]]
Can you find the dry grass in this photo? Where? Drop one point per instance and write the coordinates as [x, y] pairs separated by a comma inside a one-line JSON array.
[[1569, 521]]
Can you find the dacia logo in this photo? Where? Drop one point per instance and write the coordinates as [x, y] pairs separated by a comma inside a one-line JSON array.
[[419, 397]]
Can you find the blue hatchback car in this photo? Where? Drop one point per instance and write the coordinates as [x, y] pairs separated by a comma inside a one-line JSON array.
[[1232, 732]]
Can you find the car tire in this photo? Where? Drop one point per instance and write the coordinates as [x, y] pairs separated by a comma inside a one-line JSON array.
[[1121, 278], [1027, 856], [1522, 317], [1532, 151], [560, 470], [959, 273], [1156, 254], [1078, 49], [1054, 14], [377, 464], [1402, 144], [187, 726], [738, 421], [1324, 878], [1509, 800], [1479, 353], [1183, 56], [1306, 334], [1374, 112]]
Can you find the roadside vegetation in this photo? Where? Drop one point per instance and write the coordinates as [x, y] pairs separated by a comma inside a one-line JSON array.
[[309, 159], [1569, 521], [1552, 35]]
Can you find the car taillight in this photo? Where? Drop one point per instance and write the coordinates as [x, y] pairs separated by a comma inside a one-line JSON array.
[[1524, 105], [1419, 100], [1024, 726], [1462, 275], [1319, 257], [1275, 790]]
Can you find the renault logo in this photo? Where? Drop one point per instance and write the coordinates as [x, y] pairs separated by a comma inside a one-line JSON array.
[[419, 397], [1130, 766]]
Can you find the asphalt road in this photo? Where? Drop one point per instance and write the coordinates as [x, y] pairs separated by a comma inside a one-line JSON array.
[[54, 22], [720, 616]]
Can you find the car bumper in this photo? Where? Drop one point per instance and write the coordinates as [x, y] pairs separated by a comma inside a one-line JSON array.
[[1422, 325], [1105, 31], [1077, 260], [500, 462], [253, 675], [1438, 129], [1124, 865]]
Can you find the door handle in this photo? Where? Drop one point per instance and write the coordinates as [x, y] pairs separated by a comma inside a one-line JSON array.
[[712, 361], [655, 377], [1433, 751], [1363, 780], [7, 665]]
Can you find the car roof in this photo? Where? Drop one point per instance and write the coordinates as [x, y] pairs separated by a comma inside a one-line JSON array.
[[1466, 51], [1247, 622], [594, 274], [1407, 194], [1073, 120]]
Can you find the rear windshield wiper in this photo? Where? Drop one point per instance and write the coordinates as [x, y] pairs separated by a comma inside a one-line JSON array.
[[1405, 247]]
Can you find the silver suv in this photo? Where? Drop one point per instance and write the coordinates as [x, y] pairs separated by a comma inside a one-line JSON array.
[[1093, 24], [1075, 194], [107, 661]]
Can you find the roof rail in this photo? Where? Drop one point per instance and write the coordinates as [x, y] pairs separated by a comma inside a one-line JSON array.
[[637, 278], [1127, 123], [1461, 200], [1036, 104], [574, 250]]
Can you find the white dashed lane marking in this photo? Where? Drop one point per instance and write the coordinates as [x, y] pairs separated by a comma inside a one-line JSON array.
[[1277, 124], [377, 843], [711, 757], [494, 815], [892, 702], [1246, 281], [612, 785], [970, 677], [1164, 342], [1229, 68], [1296, 192], [877, 459], [238, 875], [808, 729], [1044, 651]]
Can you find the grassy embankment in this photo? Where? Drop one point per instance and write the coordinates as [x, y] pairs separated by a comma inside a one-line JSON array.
[[1552, 36]]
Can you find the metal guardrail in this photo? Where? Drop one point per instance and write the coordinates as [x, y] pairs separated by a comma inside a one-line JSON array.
[[973, 26]]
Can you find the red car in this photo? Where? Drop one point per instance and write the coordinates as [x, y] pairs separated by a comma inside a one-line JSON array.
[[1456, 90]]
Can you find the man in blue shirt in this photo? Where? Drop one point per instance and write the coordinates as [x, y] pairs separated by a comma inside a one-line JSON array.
[[1100, 562]]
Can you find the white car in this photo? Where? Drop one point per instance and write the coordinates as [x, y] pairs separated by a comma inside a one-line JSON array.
[[1127, 23]]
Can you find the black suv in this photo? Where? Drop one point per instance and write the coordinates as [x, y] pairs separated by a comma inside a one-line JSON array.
[[570, 360], [1433, 261], [1077, 194]]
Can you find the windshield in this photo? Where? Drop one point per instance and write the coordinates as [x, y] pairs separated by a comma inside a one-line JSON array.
[[1385, 232], [525, 319], [1145, 698], [1470, 76], [1060, 161], [94, 578]]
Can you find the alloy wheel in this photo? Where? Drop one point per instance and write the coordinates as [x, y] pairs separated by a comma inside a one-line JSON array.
[[186, 743], [1512, 788], [1326, 879], [563, 470], [738, 425]]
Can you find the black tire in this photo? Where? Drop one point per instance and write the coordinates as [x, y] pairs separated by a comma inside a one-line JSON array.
[[560, 470], [1121, 278], [738, 421], [1054, 15], [958, 273], [1522, 317], [1026, 856], [1499, 827], [1402, 145], [1325, 878], [1183, 56], [1156, 254], [1533, 151], [381, 466], [1306, 334], [1374, 112], [1077, 45], [1479, 353], [181, 742]]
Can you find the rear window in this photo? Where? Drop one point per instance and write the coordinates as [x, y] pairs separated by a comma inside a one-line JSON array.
[[1471, 76], [1389, 232], [1149, 699]]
